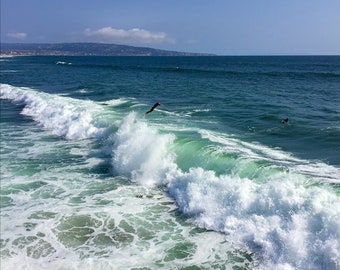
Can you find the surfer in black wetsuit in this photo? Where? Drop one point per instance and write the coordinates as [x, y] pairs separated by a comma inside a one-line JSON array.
[[284, 121], [153, 107]]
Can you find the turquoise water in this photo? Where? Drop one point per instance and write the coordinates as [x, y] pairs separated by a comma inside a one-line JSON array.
[[211, 179]]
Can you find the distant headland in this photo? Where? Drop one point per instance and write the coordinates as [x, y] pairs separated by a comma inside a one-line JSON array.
[[85, 49]]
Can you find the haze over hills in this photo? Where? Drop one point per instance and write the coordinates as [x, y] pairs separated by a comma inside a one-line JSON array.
[[86, 49]]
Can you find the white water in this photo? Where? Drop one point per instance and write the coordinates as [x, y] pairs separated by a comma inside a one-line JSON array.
[[287, 221]]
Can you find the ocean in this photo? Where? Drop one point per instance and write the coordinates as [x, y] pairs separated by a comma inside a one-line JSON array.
[[211, 179]]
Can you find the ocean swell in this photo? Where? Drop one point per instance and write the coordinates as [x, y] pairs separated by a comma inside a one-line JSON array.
[[281, 214], [286, 221]]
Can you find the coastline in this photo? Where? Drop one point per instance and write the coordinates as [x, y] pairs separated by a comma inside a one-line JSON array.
[[86, 49]]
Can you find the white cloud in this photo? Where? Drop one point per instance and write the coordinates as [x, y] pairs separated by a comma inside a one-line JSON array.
[[131, 36], [20, 36]]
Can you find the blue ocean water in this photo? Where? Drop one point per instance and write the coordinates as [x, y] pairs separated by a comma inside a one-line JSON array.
[[211, 179]]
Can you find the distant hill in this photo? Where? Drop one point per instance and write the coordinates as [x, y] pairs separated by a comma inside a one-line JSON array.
[[86, 49]]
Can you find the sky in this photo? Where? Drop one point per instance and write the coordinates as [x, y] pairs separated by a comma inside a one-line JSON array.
[[222, 27]]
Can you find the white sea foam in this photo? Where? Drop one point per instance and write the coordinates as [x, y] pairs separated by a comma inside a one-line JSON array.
[[202, 110], [141, 153], [64, 116], [286, 222], [289, 224], [63, 63], [84, 91], [115, 102]]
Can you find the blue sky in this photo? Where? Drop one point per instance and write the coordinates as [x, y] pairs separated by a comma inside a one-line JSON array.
[[223, 27]]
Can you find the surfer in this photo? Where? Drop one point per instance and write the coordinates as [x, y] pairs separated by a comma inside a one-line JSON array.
[[153, 107], [284, 121]]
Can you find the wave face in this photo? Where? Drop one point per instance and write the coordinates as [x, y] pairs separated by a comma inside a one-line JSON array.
[[88, 178]]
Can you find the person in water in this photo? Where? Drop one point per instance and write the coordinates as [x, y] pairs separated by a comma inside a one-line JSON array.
[[153, 107], [284, 121]]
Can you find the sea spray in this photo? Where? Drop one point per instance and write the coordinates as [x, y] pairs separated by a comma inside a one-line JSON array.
[[142, 154], [279, 217]]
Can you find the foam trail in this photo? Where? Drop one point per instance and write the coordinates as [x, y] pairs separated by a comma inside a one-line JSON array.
[[66, 117], [317, 170]]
